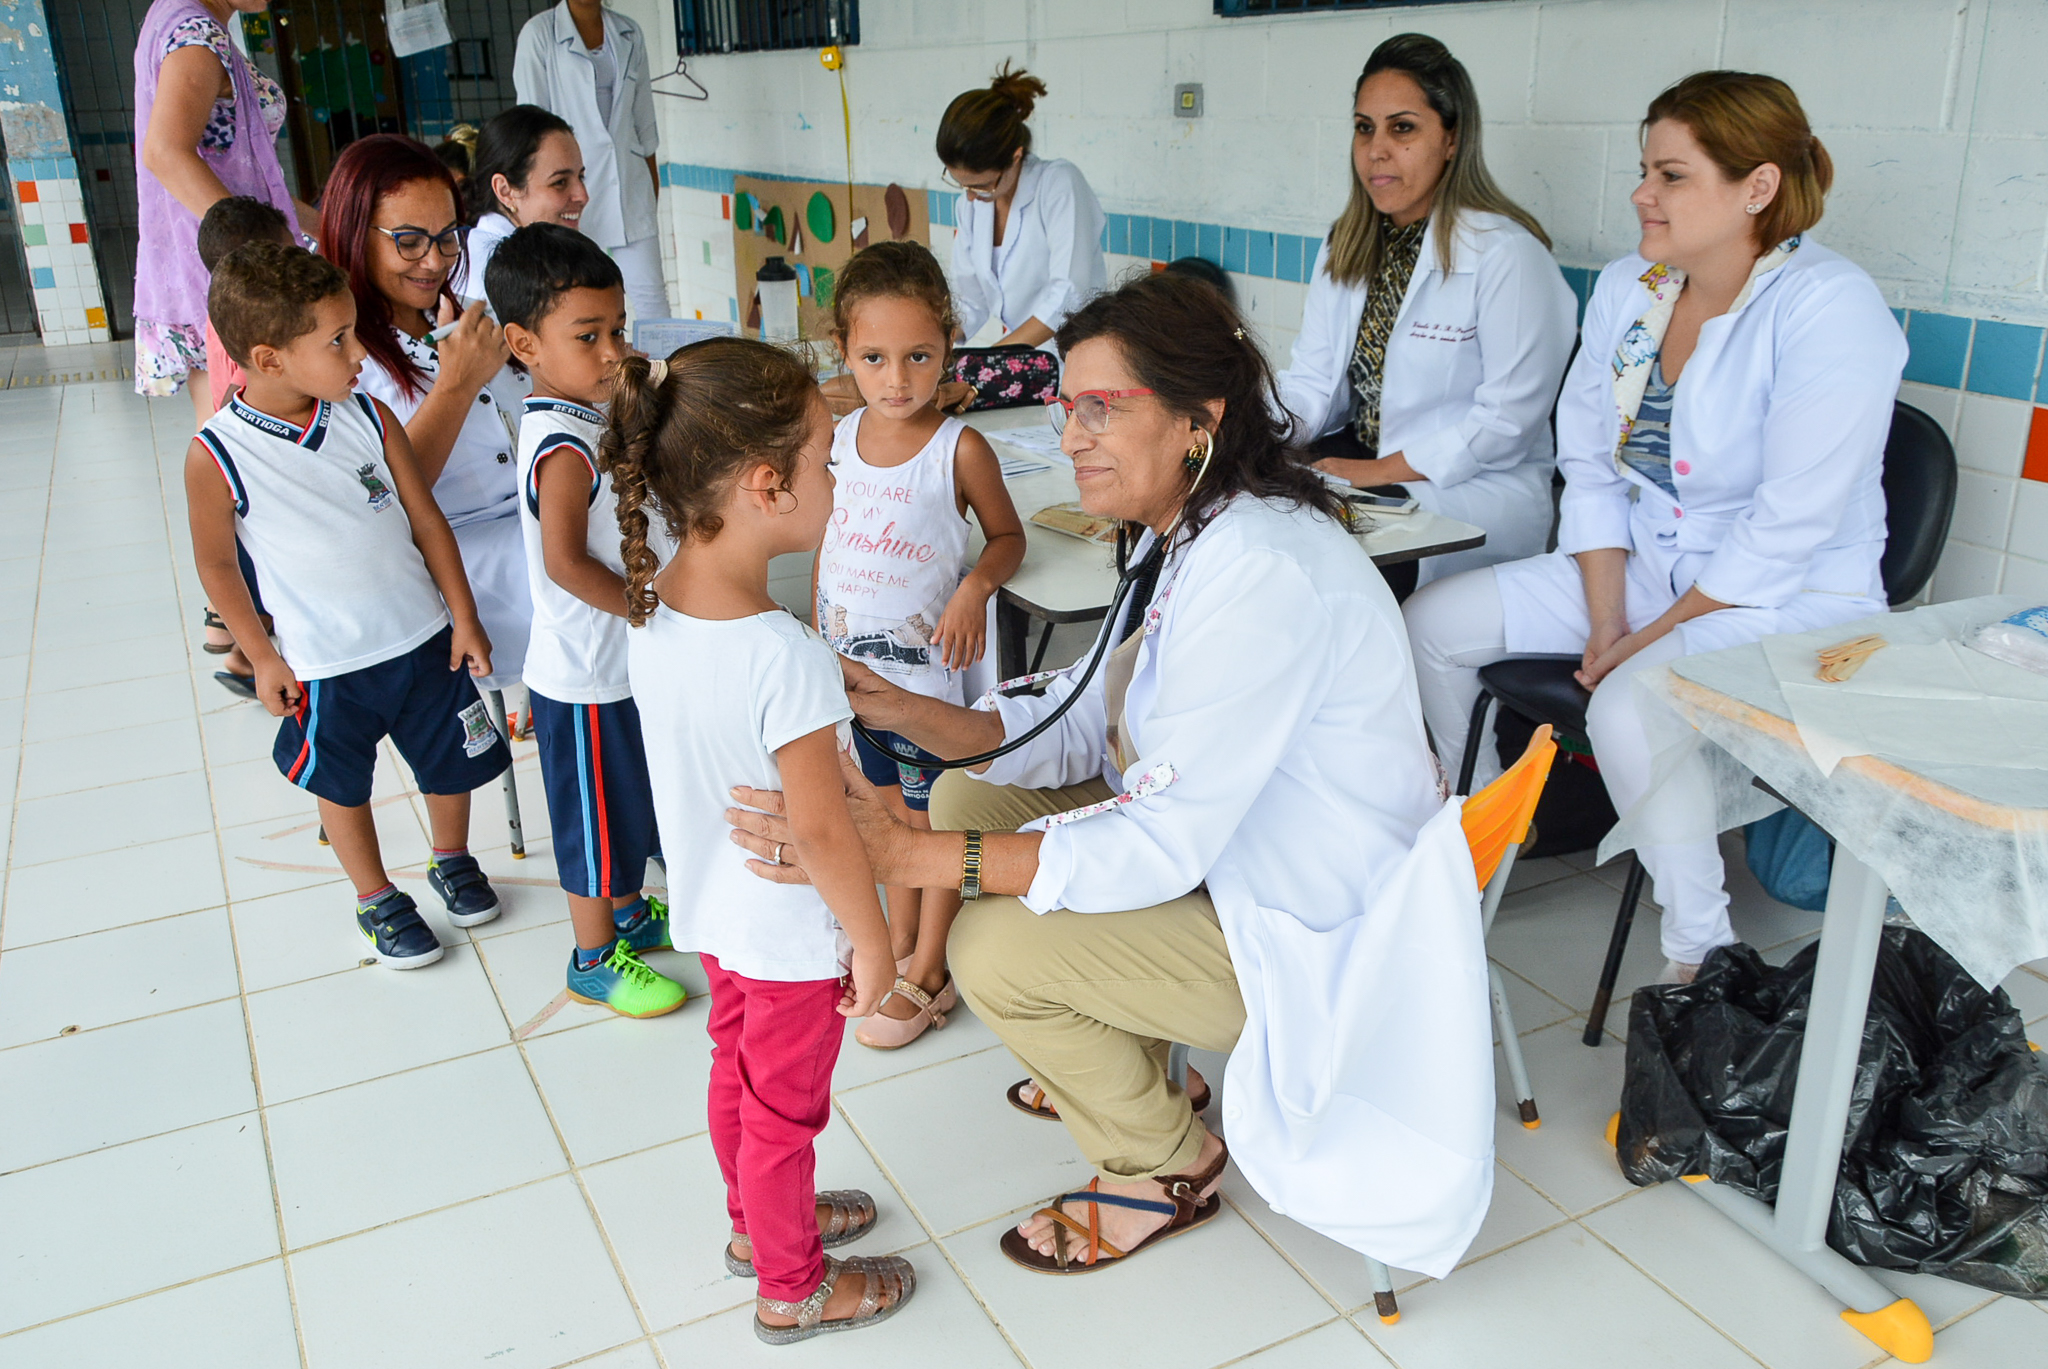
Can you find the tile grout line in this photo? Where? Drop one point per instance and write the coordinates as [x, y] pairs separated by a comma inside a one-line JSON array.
[[28, 667], [575, 1171], [937, 1242], [291, 1284]]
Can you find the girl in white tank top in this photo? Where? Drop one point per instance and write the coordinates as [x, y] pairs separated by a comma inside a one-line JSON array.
[[894, 589]]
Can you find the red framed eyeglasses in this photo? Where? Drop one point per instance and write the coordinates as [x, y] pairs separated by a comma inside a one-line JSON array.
[[1090, 406]]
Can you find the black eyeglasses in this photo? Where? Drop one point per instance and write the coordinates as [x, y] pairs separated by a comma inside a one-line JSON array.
[[412, 243]]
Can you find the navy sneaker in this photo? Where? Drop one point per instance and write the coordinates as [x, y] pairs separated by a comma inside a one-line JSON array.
[[648, 929], [397, 934], [460, 882]]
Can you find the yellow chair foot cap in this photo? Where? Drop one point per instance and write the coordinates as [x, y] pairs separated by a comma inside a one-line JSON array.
[[519, 855], [1389, 1321], [1531, 1126], [1614, 1131], [1901, 1330]]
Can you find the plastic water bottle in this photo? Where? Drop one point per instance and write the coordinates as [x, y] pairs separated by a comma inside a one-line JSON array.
[[777, 284]]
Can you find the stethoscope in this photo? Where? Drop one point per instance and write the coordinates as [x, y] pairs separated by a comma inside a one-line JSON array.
[[1128, 577]]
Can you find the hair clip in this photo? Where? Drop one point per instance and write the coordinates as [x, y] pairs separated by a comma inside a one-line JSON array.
[[657, 371], [1237, 333]]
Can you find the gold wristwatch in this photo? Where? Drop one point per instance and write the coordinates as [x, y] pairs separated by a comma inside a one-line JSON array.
[[970, 868]]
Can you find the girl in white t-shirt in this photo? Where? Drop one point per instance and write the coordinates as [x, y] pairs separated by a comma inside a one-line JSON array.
[[728, 443], [894, 588]]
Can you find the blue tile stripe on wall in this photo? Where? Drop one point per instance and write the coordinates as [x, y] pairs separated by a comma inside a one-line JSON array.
[[41, 168], [1984, 356]]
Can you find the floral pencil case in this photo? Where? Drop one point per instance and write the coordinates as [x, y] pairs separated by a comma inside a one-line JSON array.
[[1006, 377]]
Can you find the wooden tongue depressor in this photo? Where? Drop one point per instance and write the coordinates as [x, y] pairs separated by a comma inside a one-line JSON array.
[[1839, 662]]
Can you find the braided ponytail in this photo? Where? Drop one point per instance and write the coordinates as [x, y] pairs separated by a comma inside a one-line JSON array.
[[681, 431]]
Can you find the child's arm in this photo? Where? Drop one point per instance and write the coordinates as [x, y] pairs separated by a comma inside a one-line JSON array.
[[822, 828], [962, 633], [564, 488], [210, 508], [431, 534]]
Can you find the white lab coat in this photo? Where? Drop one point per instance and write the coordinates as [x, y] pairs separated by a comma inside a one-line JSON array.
[[1052, 260], [1282, 761], [1778, 427], [1472, 370], [553, 71]]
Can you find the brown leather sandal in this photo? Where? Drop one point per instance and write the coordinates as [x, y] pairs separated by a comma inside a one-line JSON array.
[[1184, 1205], [852, 1216], [1028, 1098]]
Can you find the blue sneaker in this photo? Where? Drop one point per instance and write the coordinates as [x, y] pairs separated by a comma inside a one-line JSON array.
[[461, 883], [648, 929], [396, 933], [624, 983]]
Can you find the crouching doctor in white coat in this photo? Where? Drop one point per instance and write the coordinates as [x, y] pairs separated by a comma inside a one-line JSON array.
[[1236, 840], [1436, 326], [1722, 437]]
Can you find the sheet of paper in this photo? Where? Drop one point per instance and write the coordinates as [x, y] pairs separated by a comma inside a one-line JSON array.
[[1015, 466], [1919, 704], [416, 28], [1038, 439], [660, 336]]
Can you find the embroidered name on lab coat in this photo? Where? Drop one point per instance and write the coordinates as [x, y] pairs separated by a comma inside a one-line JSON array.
[[1442, 332]]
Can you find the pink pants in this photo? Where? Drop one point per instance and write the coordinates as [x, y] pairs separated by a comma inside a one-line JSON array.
[[773, 1045]]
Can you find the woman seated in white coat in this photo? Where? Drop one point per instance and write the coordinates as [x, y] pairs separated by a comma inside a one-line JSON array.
[[1028, 250], [1235, 840], [1722, 438], [1436, 325]]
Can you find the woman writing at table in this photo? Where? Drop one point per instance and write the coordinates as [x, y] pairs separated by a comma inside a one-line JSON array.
[[1240, 796], [1722, 437], [1029, 247], [1436, 325]]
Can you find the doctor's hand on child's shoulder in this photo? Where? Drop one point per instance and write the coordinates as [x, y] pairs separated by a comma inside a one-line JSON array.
[[962, 633], [473, 352], [471, 647]]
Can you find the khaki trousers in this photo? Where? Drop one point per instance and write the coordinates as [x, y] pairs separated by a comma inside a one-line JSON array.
[[1091, 1002]]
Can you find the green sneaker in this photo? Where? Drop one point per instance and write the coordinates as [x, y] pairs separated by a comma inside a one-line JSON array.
[[648, 929], [623, 982]]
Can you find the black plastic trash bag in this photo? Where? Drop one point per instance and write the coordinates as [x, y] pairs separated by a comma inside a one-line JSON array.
[[1945, 1169]]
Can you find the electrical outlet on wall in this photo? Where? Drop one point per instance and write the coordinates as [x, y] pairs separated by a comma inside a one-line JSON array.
[[1187, 101]]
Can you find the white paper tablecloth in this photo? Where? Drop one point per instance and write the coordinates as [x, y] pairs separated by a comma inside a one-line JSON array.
[[1952, 807]]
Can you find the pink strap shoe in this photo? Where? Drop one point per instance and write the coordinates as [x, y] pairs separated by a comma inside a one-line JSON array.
[[894, 1033]]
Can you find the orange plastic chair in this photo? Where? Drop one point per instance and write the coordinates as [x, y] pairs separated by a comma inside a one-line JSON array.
[[1496, 823]]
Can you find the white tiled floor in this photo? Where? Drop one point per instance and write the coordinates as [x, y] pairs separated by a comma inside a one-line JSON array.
[[224, 1142]]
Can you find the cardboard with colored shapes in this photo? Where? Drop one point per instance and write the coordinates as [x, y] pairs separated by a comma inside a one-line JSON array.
[[829, 232]]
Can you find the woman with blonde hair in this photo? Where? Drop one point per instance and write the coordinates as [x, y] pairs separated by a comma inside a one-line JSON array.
[[1722, 438], [1436, 325]]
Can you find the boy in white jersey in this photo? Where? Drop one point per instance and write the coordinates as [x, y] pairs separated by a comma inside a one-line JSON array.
[[374, 617], [562, 303]]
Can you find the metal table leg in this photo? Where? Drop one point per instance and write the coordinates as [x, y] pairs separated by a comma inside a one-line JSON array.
[[1797, 1227]]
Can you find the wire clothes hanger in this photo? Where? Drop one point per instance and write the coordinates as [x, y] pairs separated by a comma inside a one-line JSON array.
[[682, 70]]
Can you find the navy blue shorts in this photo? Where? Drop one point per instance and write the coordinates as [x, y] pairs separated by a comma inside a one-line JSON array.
[[600, 801], [434, 716], [883, 771]]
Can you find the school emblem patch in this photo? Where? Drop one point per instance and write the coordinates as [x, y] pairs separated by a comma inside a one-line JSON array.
[[380, 493], [479, 734]]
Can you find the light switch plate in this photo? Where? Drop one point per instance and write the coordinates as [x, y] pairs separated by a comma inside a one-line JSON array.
[[1187, 101]]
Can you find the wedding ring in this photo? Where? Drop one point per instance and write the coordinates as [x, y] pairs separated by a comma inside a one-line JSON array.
[[778, 851]]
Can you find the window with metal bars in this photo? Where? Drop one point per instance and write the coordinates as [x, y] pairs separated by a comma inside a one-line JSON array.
[[706, 26], [1262, 8]]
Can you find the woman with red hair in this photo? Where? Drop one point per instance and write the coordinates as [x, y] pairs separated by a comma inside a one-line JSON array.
[[393, 224]]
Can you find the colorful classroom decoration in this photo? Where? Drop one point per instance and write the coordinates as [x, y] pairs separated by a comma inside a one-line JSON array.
[[783, 214], [818, 217]]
